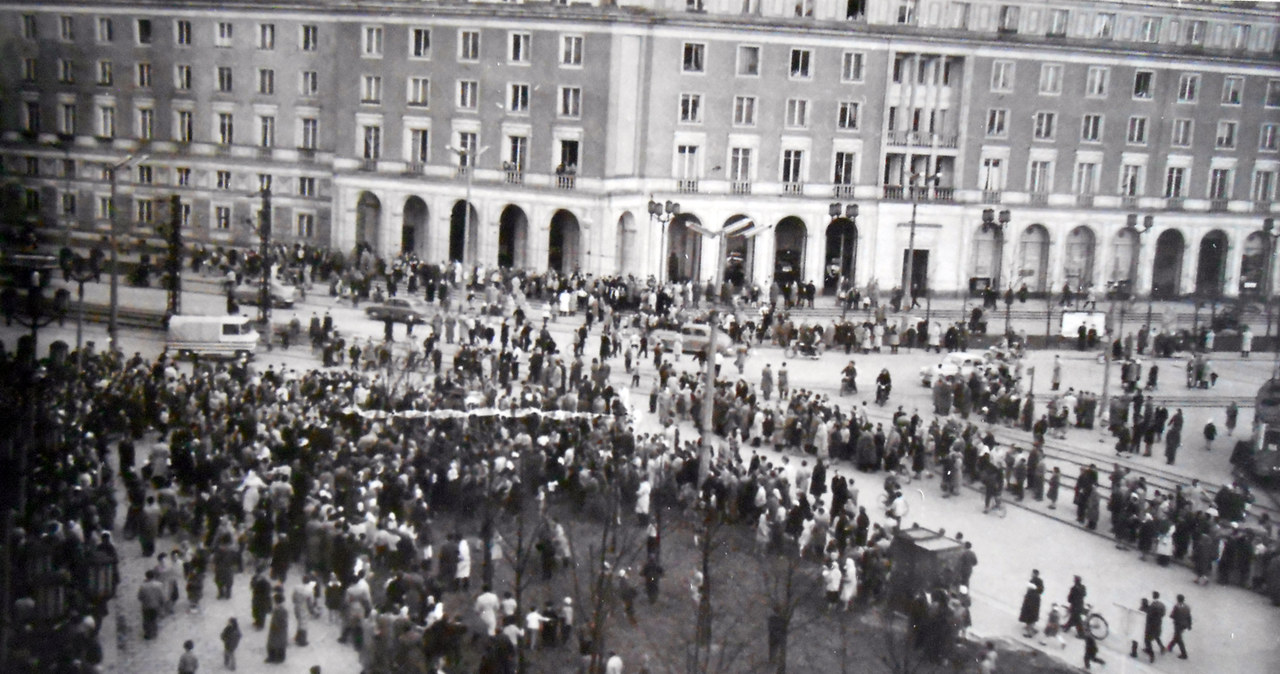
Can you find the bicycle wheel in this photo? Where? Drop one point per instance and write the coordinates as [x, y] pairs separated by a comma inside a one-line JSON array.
[[1098, 627]]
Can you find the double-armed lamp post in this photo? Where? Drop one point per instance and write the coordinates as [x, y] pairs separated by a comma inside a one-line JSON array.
[[663, 213]]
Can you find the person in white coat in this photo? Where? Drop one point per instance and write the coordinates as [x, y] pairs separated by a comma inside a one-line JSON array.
[[642, 501], [462, 576], [849, 583], [831, 578]]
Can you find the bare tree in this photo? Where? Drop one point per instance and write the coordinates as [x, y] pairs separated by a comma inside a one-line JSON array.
[[792, 594]]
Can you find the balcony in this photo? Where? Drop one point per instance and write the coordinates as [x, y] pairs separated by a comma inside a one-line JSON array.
[[949, 141], [415, 168], [307, 153], [1262, 207], [1173, 203], [843, 191], [515, 176], [687, 186], [1039, 198], [370, 165], [991, 196], [264, 151], [1128, 202], [565, 181], [893, 192], [947, 194], [793, 189], [1084, 200], [1218, 205], [896, 138], [1056, 33], [740, 187], [462, 172], [919, 193]]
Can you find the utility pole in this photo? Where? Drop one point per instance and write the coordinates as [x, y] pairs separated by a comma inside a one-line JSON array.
[[173, 262], [113, 318], [264, 251]]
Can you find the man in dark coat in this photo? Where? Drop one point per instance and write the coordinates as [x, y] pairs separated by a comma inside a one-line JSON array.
[[261, 602], [1155, 611], [1181, 616], [278, 632]]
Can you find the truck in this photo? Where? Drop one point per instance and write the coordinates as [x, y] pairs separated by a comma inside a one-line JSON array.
[[222, 336]]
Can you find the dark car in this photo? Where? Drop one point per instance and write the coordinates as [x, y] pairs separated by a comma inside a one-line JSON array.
[[399, 309]]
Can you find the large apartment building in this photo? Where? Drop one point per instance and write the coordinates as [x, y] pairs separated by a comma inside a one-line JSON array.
[[569, 128]]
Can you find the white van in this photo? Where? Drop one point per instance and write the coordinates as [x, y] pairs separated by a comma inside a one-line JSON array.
[[230, 336]]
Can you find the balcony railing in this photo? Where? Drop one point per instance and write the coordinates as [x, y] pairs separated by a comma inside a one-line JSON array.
[[1128, 201], [944, 194], [1039, 199], [565, 182], [1218, 205], [950, 141], [740, 187], [991, 196], [1173, 203], [368, 164], [1262, 207], [1084, 200], [687, 186], [264, 151], [794, 189], [306, 153], [896, 138], [462, 171], [515, 177], [893, 192], [843, 191], [416, 167]]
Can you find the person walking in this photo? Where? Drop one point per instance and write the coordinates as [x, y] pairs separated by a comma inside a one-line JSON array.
[[1075, 607], [278, 632], [1181, 617], [188, 663], [1091, 651], [230, 642], [1029, 615], [1210, 433], [1233, 415], [1172, 440], [1057, 373], [1155, 611], [151, 596]]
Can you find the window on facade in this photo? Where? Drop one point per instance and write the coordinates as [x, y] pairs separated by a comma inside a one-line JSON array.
[[1096, 79], [851, 66], [1104, 25], [31, 120], [105, 76], [468, 94], [1273, 94], [310, 133], [690, 108], [517, 152], [30, 29], [847, 117], [907, 12], [266, 81], [748, 61], [1220, 183], [569, 150], [310, 37], [1150, 29], [371, 89], [225, 35], [106, 29], [520, 43], [693, 59], [420, 43], [306, 225], [266, 131], [1188, 88], [1051, 79], [222, 217], [66, 71], [740, 164], [226, 128], [1038, 177], [145, 211], [29, 70], [146, 124], [570, 102], [571, 50], [186, 126], [1196, 32], [182, 32], [372, 44], [144, 31], [519, 98], [1226, 137], [1091, 128], [996, 119], [146, 175], [1045, 123], [687, 165], [419, 92], [309, 83], [1009, 15], [1059, 21], [1086, 178], [1240, 34], [1143, 84], [68, 204], [792, 166], [223, 180], [1137, 134], [224, 79], [1174, 182], [1268, 140], [958, 15], [371, 145], [744, 111], [182, 77], [306, 186], [1002, 76], [1264, 186], [182, 176], [266, 36], [797, 113], [1232, 90], [468, 142], [1181, 133], [991, 174], [845, 168], [67, 28], [67, 119], [107, 121], [469, 45], [800, 63]]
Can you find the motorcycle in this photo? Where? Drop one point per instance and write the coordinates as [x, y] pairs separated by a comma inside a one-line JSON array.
[[811, 351], [882, 393], [848, 385]]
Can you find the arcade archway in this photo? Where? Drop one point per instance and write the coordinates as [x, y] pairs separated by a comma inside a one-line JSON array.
[[368, 218], [564, 249], [1166, 276], [1033, 259], [788, 255], [684, 249], [413, 231], [1077, 263], [841, 255], [513, 238], [464, 222], [1211, 264]]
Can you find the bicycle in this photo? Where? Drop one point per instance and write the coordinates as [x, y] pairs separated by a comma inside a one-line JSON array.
[[1096, 624]]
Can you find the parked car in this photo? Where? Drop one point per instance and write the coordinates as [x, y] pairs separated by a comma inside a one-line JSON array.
[[399, 309], [959, 363], [693, 337], [282, 296]]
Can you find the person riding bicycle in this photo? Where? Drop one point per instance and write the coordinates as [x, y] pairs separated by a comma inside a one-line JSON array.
[[884, 385], [850, 381]]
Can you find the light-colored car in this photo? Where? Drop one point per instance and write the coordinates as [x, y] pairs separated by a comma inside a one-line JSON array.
[[400, 310], [693, 338], [282, 296], [959, 363]]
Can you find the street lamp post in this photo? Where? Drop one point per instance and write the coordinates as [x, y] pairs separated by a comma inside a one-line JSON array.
[[263, 231], [993, 222], [1272, 235], [908, 283], [1148, 222], [467, 158], [113, 317], [850, 211], [663, 213], [81, 270]]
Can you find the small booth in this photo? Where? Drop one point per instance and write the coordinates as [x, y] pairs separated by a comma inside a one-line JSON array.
[[923, 559]]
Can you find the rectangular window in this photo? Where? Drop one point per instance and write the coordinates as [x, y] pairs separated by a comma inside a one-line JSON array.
[[105, 207], [306, 225], [67, 28], [146, 123], [1220, 183], [519, 98], [107, 121], [309, 83], [748, 61], [310, 37], [797, 113], [468, 142], [225, 82], [1086, 178], [1181, 133], [1137, 134], [1232, 90], [1096, 80], [996, 122], [144, 31], [688, 166], [264, 182], [222, 217], [306, 186], [1174, 182], [67, 119], [570, 102], [744, 110], [68, 204], [792, 166], [520, 44], [182, 176], [847, 117], [1188, 88], [29, 70], [419, 92], [266, 131], [517, 152], [185, 120], [1143, 84], [266, 81], [800, 64], [371, 47], [225, 37], [1051, 79], [310, 133], [1104, 25], [1009, 15], [106, 30], [958, 17], [469, 45], [226, 128], [371, 147], [30, 30], [31, 121], [468, 91], [66, 71], [991, 175], [690, 108], [1059, 20], [1268, 140], [182, 32], [1045, 125], [105, 76], [182, 77], [1196, 32], [1226, 138], [692, 61], [146, 175], [571, 50], [1002, 76], [1091, 129], [1273, 94], [420, 43], [851, 66], [371, 89], [144, 75], [145, 211], [1131, 180], [419, 145], [1039, 177], [906, 12], [740, 164], [1150, 31], [1240, 34], [266, 36], [1264, 186], [845, 169]]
